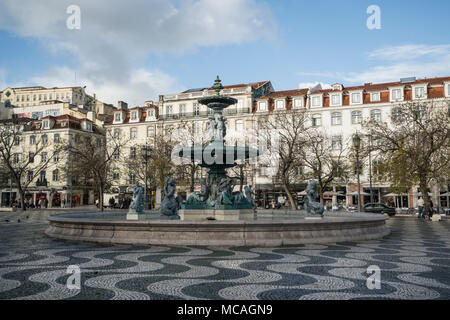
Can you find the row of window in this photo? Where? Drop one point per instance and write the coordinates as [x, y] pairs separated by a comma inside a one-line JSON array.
[[336, 117], [133, 115], [355, 98], [42, 97], [17, 157], [56, 139], [133, 132], [43, 175], [196, 107]]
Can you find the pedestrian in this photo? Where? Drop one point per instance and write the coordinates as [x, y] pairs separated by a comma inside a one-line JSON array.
[[430, 210], [420, 203]]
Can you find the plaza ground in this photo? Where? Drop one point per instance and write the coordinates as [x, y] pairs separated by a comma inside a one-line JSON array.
[[414, 261]]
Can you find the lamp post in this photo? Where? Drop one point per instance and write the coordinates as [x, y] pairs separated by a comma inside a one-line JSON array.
[[357, 145], [370, 169], [146, 153]]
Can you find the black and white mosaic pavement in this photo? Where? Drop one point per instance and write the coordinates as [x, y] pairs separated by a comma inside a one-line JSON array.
[[414, 262]]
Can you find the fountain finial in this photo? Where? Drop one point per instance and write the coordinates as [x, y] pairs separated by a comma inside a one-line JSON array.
[[217, 85]]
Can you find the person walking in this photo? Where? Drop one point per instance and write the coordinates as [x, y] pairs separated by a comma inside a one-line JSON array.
[[420, 203], [430, 210]]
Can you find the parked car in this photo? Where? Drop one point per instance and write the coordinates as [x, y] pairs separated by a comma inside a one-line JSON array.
[[379, 208]]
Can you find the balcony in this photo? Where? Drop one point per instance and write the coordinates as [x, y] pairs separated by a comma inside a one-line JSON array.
[[41, 183], [203, 114]]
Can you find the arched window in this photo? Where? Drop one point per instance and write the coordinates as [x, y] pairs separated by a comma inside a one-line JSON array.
[[375, 115], [336, 118], [55, 175], [316, 120], [116, 174], [133, 133], [356, 117], [396, 114], [150, 131]]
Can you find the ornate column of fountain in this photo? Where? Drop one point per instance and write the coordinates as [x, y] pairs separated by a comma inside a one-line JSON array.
[[216, 200]]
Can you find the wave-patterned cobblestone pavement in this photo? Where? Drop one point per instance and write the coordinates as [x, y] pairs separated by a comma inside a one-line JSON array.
[[414, 262]]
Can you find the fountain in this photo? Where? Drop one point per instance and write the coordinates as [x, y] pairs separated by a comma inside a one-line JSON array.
[[216, 215], [216, 200]]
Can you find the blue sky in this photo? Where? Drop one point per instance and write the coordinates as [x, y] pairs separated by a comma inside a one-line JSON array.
[[137, 49]]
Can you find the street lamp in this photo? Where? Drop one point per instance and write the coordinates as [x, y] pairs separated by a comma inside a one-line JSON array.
[[370, 169], [146, 154], [357, 145]]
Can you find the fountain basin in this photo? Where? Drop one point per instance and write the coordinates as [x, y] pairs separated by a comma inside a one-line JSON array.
[[215, 154], [264, 230]]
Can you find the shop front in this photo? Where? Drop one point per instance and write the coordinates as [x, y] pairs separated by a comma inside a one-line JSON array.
[[8, 198]]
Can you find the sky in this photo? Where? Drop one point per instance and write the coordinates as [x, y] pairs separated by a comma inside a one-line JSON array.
[[135, 50]]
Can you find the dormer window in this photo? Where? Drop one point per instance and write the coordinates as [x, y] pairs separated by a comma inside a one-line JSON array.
[[280, 104], [117, 117], [447, 89], [356, 98], [134, 115], [419, 92], [316, 101], [262, 106], [64, 124], [335, 99], [396, 94], [46, 124], [88, 126], [375, 96], [149, 113], [297, 103]]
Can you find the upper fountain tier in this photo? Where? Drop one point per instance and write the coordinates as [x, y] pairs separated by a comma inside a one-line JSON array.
[[217, 102], [217, 155]]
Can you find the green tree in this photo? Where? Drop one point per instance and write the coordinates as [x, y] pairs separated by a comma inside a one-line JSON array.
[[414, 148]]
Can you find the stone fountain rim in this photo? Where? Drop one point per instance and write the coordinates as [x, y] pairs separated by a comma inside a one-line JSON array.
[[217, 233], [65, 217]]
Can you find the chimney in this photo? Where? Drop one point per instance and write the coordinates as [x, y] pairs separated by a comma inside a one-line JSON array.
[[122, 105], [91, 116]]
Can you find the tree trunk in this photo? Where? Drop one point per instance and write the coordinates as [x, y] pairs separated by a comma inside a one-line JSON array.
[[289, 195], [22, 199], [100, 199], [21, 194]]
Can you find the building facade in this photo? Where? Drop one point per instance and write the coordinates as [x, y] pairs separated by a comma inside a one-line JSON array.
[[339, 111], [48, 179]]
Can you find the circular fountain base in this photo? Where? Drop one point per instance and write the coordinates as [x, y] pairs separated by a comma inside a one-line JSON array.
[[260, 232]]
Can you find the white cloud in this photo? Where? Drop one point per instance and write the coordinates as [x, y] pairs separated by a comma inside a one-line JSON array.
[[397, 62], [142, 85], [117, 36], [410, 52], [309, 85]]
